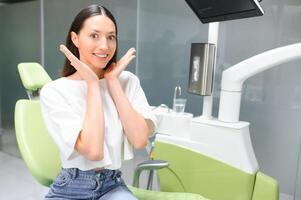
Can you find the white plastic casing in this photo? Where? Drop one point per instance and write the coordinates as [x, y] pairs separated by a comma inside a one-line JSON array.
[[227, 143]]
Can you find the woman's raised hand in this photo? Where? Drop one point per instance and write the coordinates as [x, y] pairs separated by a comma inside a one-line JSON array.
[[115, 69], [84, 70]]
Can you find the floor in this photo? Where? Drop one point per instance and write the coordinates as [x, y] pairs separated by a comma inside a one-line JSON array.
[[16, 182]]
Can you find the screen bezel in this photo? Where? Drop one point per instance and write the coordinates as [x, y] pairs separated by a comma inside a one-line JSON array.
[[257, 11]]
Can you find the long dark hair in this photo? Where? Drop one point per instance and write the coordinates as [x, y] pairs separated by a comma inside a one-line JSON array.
[[77, 25]]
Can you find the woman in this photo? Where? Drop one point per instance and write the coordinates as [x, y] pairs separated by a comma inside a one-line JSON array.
[[96, 113]]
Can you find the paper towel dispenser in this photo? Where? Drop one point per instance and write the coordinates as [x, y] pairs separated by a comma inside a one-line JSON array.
[[202, 59]]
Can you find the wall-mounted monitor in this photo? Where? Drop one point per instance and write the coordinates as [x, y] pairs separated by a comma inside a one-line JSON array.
[[222, 10], [12, 1]]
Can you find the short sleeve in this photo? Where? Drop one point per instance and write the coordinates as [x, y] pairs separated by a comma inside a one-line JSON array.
[[63, 124], [140, 103]]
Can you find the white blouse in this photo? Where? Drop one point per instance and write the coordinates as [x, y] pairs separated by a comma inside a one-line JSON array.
[[63, 105]]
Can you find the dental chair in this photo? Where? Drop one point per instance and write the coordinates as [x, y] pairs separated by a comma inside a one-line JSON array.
[[187, 175], [38, 150]]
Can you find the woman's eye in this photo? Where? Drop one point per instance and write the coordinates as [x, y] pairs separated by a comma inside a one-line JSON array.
[[94, 36], [112, 37]]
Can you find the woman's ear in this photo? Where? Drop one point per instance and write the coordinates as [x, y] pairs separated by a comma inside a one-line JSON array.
[[74, 38]]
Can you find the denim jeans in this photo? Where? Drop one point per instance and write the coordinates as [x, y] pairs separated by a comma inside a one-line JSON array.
[[75, 184]]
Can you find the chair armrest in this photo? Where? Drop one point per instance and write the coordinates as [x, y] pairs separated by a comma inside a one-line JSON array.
[[148, 165]]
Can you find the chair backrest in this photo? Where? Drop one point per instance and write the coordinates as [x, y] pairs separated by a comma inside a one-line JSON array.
[[33, 77], [35, 144]]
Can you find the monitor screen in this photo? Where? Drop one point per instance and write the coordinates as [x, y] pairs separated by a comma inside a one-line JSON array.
[[222, 10]]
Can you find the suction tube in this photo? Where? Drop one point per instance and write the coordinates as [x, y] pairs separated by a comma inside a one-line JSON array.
[[234, 77]]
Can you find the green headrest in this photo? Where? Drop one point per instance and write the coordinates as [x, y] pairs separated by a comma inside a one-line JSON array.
[[33, 75]]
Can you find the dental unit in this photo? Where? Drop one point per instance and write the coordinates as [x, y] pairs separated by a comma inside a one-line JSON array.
[[225, 139], [222, 146]]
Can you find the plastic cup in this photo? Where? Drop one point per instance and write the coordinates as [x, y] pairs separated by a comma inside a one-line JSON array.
[[179, 105]]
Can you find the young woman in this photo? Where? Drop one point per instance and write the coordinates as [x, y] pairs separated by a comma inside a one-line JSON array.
[[96, 113]]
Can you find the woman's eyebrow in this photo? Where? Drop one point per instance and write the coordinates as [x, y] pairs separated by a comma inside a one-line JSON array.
[[111, 32]]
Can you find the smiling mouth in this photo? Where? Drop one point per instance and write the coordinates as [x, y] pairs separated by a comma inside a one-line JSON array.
[[101, 55]]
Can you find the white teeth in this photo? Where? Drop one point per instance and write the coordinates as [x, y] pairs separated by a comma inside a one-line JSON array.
[[101, 55]]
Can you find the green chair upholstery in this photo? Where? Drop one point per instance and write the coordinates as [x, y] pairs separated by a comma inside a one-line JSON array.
[[35, 144], [193, 172], [153, 195], [37, 148], [33, 75], [265, 188]]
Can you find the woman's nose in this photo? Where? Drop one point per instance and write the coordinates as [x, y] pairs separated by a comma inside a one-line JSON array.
[[103, 44]]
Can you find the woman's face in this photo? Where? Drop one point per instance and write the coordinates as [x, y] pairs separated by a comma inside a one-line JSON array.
[[96, 42]]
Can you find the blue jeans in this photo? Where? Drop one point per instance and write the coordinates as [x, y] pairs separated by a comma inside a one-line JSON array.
[[74, 184]]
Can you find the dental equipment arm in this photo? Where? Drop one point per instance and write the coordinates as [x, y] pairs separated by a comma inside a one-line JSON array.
[[234, 77]]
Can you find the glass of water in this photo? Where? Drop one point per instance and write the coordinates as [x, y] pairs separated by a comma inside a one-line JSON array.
[[179, 105]]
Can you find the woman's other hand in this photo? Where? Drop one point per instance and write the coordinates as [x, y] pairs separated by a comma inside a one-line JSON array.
[[84, 70], [114, 70]]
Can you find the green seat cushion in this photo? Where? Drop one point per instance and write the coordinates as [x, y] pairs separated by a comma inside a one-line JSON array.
[[142, 194]]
